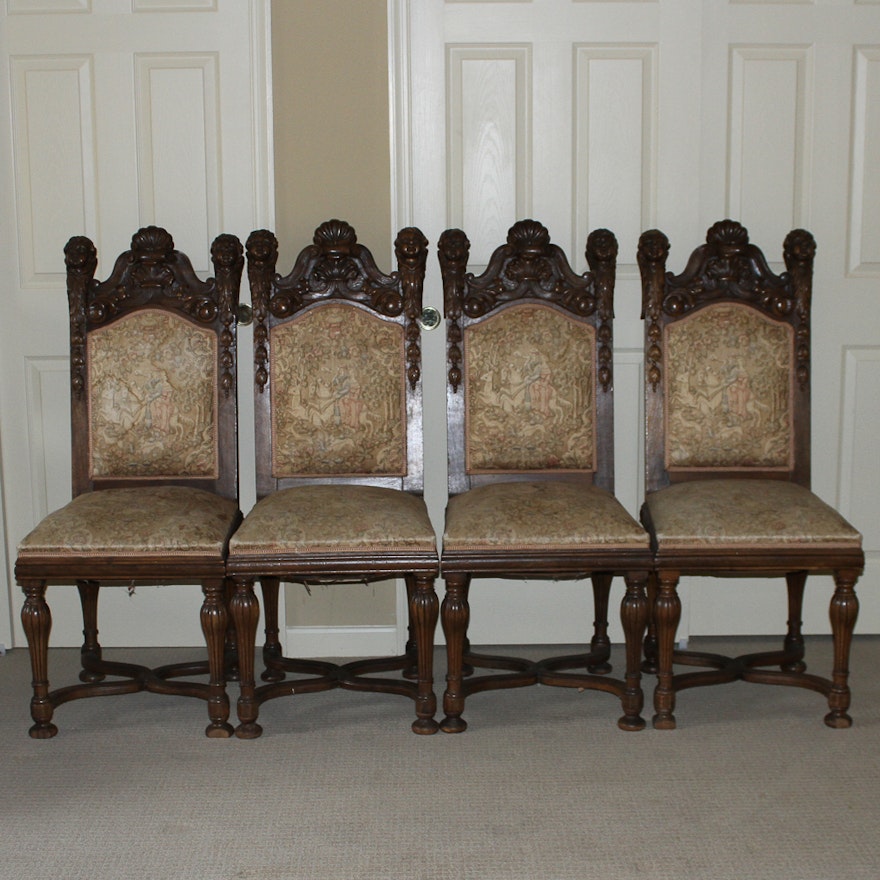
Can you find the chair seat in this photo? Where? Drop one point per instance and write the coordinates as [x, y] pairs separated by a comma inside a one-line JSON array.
[[550, 515], [166, 520], [745, 514], [335, 519]]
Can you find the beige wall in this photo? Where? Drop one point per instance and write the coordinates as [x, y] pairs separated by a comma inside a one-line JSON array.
[[332, 159], [332, 155]]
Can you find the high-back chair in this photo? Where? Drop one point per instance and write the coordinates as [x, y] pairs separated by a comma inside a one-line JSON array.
[[530, 448], [338, 400], [727, 396], [155, 468]]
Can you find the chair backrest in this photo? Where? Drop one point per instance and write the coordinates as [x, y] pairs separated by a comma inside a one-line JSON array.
[[153, 366], [529, 361], [337, 358], [727, 359]]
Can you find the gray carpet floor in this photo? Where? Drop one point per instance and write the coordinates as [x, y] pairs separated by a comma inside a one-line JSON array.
[[751, 786]]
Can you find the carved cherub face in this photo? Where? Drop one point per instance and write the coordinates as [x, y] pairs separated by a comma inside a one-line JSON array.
[[454, 246], [79, 254], [262, 246], [409, 246]]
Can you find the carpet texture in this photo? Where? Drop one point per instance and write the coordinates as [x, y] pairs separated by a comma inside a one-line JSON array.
[[543, 786]]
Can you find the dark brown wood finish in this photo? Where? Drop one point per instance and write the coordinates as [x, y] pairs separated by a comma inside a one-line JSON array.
[[729, 269], [336, 269], [152, 275], [529, 269]]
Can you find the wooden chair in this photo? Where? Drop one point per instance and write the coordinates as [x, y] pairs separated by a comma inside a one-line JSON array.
[[339, 458], [727, 391], [530, 446], [155, 470]]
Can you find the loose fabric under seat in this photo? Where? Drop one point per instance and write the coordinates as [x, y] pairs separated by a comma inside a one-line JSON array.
[[745, 513], [335, 518], [538, 514], [166, 520]]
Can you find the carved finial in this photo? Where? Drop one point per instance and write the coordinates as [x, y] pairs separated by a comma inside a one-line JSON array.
[[262, 248], [799, 249], [262, 255], [152, 244], [453, 251], [335, 237], [411, 248], [602, 257], [728, 235], [529, 237], [80, 256], [227, 255], [652, 254], [601, 246], [81, 260], [226, 252]]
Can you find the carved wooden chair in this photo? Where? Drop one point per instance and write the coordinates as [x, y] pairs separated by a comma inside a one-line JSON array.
[[339, 458], [531, 470], [727, 389], [155, 471]]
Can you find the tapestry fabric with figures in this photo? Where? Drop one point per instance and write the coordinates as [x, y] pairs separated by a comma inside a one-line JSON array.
[[152, 401], [337, 395], [728, 391], [530, 392]]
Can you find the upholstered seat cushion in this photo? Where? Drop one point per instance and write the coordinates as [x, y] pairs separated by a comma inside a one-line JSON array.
[[335, 518], [745, 513], [544, 515], [175, 520]]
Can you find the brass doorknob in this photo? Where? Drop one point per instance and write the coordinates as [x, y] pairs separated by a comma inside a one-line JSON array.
[[430, 318]]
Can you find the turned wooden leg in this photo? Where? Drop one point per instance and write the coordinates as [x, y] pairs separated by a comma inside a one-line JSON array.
[[37, 622], [214, 621], [423, 610], [270, 586], [90, 653], [650, 646], [633, 616], [600, 642], [843, 612], [794, 639], [246, 614], [455, 616], [411, 669], [667, 613], [230, 647]]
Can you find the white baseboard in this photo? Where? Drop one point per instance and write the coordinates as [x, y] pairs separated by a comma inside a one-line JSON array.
[[342, 641]]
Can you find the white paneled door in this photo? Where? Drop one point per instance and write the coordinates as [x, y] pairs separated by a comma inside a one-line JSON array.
[[121, 113], [582, 114]]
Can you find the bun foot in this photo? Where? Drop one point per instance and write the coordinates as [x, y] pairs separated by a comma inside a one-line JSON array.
[[43, 730], [631, 722], [219, 730], [251, 730], [454, 724], [425, 726], [664, 722], [837, 720]]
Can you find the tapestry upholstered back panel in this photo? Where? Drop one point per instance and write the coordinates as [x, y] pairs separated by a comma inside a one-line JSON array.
[[152, 398], [728, 401], [338, 395], [530, 398]]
